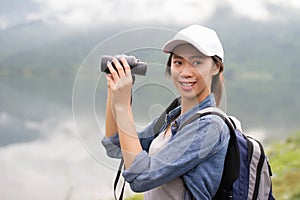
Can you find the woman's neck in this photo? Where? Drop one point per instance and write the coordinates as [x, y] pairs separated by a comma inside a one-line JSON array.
[[189, 103]]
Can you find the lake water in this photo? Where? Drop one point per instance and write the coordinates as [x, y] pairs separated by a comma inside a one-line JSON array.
[[51, 126], [42, 155]]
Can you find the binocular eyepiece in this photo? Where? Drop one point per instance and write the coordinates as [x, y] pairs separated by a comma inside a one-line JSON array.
[[137, 67]]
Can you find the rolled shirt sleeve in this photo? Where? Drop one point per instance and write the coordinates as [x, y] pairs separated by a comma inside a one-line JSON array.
[[112, 144]]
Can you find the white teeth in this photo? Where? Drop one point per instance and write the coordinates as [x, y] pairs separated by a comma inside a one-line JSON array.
[[187, 84]]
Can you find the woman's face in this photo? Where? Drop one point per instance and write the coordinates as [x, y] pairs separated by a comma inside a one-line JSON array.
[[192, 72]]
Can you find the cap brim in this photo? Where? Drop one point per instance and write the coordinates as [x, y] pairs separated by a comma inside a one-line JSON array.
[[171, 44]]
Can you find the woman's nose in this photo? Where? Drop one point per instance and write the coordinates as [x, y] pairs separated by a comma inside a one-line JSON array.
[[186, 70]]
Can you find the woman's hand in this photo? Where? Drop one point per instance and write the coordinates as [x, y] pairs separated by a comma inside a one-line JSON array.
[[119, 83]]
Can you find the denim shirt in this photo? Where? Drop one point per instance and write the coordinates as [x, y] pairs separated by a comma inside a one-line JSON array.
[[197, 151]]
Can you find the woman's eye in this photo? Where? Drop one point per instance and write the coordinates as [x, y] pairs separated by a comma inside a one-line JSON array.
[[177, 62], [196, 63]]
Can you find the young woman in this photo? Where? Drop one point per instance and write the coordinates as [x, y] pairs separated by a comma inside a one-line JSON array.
[[179, 157]]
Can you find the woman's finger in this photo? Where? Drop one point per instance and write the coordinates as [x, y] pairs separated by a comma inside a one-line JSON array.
[[113, 72], [119, 67], [109, 79], [126, 66]]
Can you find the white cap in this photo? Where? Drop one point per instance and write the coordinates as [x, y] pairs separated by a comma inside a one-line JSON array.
[[203, 38]]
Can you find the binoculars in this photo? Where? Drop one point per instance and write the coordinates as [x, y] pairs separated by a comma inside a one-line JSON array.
[[137, 67]]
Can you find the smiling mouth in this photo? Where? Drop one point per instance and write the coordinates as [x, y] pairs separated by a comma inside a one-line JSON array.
[[187, 84]]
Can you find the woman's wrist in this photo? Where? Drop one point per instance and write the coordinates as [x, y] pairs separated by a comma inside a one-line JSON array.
[[122, 109]]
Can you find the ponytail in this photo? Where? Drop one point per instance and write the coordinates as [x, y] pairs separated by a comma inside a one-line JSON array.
[[217, 84]]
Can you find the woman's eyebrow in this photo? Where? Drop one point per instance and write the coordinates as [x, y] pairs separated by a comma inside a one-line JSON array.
[[177, 56], [197, 56], [191, 57]]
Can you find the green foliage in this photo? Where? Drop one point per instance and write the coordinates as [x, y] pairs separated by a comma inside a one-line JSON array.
[[285, 161], [136, 197]]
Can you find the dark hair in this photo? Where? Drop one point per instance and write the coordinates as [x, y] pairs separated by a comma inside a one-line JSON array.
[[217, 84]]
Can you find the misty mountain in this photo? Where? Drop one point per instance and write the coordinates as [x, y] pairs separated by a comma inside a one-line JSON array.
[[38, 65]]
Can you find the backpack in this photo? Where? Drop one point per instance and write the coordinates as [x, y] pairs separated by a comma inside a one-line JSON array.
[[247, 172]]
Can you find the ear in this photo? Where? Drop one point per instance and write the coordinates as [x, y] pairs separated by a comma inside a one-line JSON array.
[[216, 69]]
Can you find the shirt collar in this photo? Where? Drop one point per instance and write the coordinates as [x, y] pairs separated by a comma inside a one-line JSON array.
[[207, 102]]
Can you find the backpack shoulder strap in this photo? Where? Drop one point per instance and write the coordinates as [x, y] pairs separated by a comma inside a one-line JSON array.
[[232, 158], [162, 118], [211, 111], [117, 180]]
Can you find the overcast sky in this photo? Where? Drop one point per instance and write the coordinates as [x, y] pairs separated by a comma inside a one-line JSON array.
[[79, 14]]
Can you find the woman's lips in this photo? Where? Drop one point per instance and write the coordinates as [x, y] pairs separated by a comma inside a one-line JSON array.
[[187, 85]]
